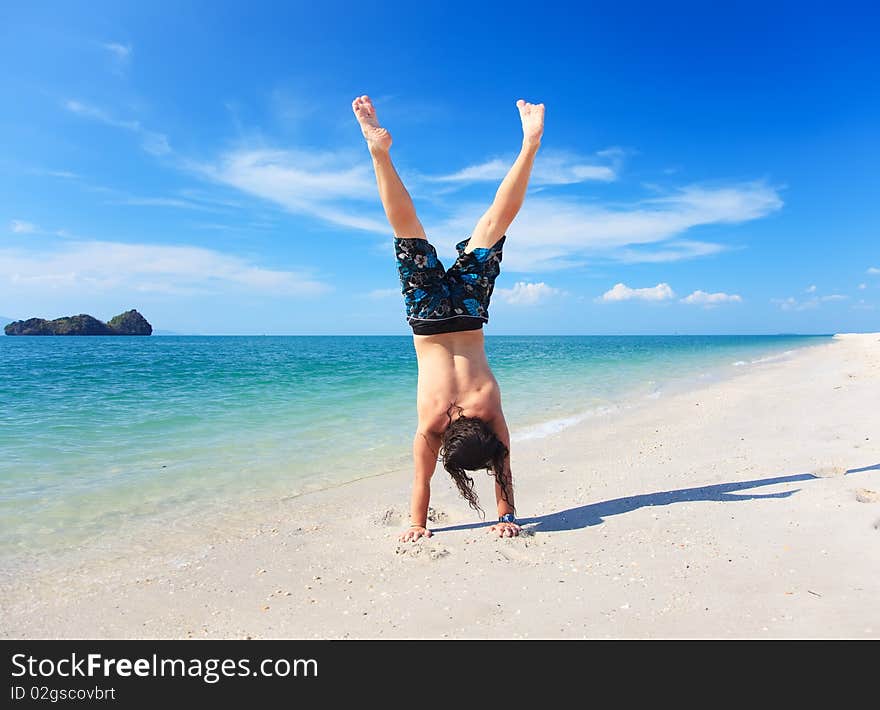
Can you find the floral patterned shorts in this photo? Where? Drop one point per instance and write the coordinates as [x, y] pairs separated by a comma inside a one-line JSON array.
[[443, 301]]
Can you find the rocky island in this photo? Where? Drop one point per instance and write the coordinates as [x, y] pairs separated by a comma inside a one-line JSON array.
[[128, 323]]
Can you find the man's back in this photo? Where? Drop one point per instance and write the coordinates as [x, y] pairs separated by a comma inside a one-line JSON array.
[[453, 368]]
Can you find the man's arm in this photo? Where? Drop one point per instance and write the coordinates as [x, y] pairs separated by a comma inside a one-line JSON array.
[[426, 446], [505, 505]]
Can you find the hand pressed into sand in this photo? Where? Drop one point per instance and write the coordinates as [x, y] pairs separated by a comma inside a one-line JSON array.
[[505, 529], [414, 533]]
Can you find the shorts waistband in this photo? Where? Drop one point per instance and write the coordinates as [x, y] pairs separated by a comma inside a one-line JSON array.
[[446, 325]]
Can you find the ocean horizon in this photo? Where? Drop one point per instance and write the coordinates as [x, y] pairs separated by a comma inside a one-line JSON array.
[[99, 432]]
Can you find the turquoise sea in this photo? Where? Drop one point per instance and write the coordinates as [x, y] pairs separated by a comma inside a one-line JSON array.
[[96, 432]]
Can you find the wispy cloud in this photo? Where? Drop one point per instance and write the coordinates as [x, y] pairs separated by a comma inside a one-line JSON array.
[[308, 183], [676, 250], [793, 304], [155, 143], [528, 294], [873, 270], [62, 174], [19, 226], [553, 233], [709, 300], [122, 52], [550, 233], [88, 111], [120, 56], [622, 292], [151, 141], [173, 202], [552, 168], [810, 289], [862, 287], [110, 266]]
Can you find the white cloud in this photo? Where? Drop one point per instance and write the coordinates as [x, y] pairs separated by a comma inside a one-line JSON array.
[[550, 232], [708, 300], [161, 202], [155, 143], [120, 56], [553, 167], [121, 51], [873, 270], [622, 292], [494, 169], [97, 114], [863, 305], [309, 183], [63, 174], [152, 142], [810, 289], [671, 251], [553, 233], [793, 304], [862, 287], [116, 266], [19, 226], [528, 294]]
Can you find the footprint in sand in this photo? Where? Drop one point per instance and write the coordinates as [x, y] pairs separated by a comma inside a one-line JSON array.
[[519, 549], [392, 517], [437, 516], [389, 518], [515, 553], [422, 550], [864, 495]]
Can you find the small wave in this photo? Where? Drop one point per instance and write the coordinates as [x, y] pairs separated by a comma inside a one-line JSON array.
[[544, 429], [768, 358]]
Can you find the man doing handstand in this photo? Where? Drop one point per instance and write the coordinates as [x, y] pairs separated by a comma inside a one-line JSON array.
[[458, 401]]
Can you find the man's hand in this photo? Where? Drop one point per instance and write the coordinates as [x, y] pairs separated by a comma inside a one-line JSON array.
[[414, 533], [505, 529]]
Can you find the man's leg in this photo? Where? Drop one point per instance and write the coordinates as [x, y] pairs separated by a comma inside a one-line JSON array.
[[509, 198], [398, 205]]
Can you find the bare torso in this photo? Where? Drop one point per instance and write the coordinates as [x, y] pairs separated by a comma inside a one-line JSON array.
[[453, 368]]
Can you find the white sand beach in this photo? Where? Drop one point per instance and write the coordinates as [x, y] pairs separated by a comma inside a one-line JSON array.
[[744, 508]]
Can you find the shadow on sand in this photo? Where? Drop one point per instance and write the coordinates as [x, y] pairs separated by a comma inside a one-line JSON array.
[[595, 513]]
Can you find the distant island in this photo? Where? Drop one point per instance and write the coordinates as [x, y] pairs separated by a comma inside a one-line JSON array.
[[128, 323]]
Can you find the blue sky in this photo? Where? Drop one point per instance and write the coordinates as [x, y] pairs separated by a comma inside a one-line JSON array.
[[703, 170]]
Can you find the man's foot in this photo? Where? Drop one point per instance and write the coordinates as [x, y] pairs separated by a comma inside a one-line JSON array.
[[505, 529], [378, 138], [532, 116]]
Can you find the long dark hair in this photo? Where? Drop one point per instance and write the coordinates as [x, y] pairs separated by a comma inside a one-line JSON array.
[[468, 444]]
